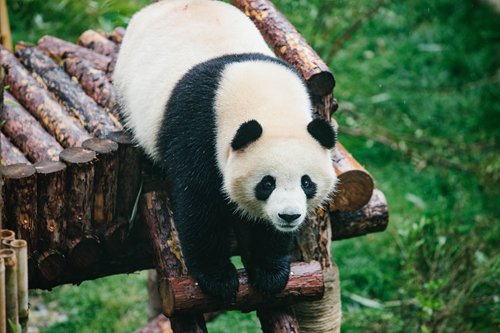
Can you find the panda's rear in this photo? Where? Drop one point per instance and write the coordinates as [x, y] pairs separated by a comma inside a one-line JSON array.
[[232, 127]]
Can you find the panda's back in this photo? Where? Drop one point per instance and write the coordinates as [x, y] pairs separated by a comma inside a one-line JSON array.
[[163, 42]]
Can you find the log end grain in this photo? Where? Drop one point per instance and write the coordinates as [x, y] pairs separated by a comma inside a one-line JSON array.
[[354, 190], [17, 171], [321, 83], [84, 252], [77, 155], [120, 137], [48, 167], [51, 265], [100, 146]]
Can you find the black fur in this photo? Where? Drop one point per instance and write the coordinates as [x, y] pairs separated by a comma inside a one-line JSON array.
[[265, 187], [323, 132], [203, 217], [248, 132], [308, 186]]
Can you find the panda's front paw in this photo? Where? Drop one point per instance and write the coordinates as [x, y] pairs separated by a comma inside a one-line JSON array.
[[270, 277], [220, 281]]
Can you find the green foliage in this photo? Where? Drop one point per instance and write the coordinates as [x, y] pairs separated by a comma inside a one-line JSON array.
[[418, 85]]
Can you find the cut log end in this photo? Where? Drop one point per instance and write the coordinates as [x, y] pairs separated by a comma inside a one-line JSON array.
[[84, 252], [17, 171], [100, 146], [77, 155], [354, 190], [51, 264], [48, 167], [321, 84]]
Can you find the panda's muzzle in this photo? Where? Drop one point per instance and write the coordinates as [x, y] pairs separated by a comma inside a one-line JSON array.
[[289, 217]]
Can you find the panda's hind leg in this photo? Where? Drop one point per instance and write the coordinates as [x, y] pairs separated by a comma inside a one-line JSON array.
[[269, 264], [204, 232]]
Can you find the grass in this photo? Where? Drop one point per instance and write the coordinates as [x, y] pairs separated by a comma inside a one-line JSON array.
[[418, 86]]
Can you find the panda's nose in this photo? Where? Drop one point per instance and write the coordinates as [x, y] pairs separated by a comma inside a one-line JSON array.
[[289, 217]]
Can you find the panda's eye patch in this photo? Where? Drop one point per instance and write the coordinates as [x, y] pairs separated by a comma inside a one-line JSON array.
[[308, 186], [265, 187]]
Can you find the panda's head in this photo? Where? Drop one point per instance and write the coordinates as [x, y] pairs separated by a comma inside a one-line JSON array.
[[280, 179]]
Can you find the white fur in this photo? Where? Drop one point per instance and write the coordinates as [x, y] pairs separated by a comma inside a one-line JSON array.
[[165, 40]]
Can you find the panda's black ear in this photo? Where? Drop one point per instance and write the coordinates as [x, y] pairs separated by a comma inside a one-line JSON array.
[[248, 132], [323, 132]]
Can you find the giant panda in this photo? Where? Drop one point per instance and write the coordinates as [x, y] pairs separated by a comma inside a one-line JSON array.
[[232, 128]]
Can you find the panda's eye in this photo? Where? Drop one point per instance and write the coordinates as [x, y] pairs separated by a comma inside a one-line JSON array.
[[308, 186], [265, 187]]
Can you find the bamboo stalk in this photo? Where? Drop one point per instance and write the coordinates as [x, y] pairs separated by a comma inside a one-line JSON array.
[[6, 234], [21, 248], [3, 312], [12, 309]]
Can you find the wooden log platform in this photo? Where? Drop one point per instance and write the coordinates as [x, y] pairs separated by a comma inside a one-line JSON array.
[[10, 154]]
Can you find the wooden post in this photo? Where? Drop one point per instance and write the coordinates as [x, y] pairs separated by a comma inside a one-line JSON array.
[[168, 256], [27, 133], [83, 246], [20, 201], [12, 314], [51, 184], [5, 34], [38, 101], [278, 321]]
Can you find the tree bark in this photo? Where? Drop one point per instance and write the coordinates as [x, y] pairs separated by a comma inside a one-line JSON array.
[[373, 217], [168, 257], [95, 41], [60, 49], [117, 35], [289, 45], [33, 96], [9, 153], [27, 133], [94, 82], [355, 186], [277, 321], [70, 94], [182, 295], [20, 203]]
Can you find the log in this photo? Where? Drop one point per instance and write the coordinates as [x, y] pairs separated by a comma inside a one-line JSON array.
[[355, 187], [373, 217], [182, 295], [117, 35], [9, 153], [51, 184], [105, 182], [129, 169], [289, 45], [12, 309], [20, 246], [3, 306], [37, 100], [69, 93], [19, 192], [94, 82], [51, 264], [95, 41], [168, 257], [27, 133], [278, 321], [84, 248], [60, 49], [160, 324]]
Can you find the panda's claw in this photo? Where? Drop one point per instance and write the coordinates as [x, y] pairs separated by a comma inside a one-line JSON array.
[[219, 282]]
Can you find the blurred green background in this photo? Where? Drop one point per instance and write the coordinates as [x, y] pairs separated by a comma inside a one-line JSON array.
[[418, 86]]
